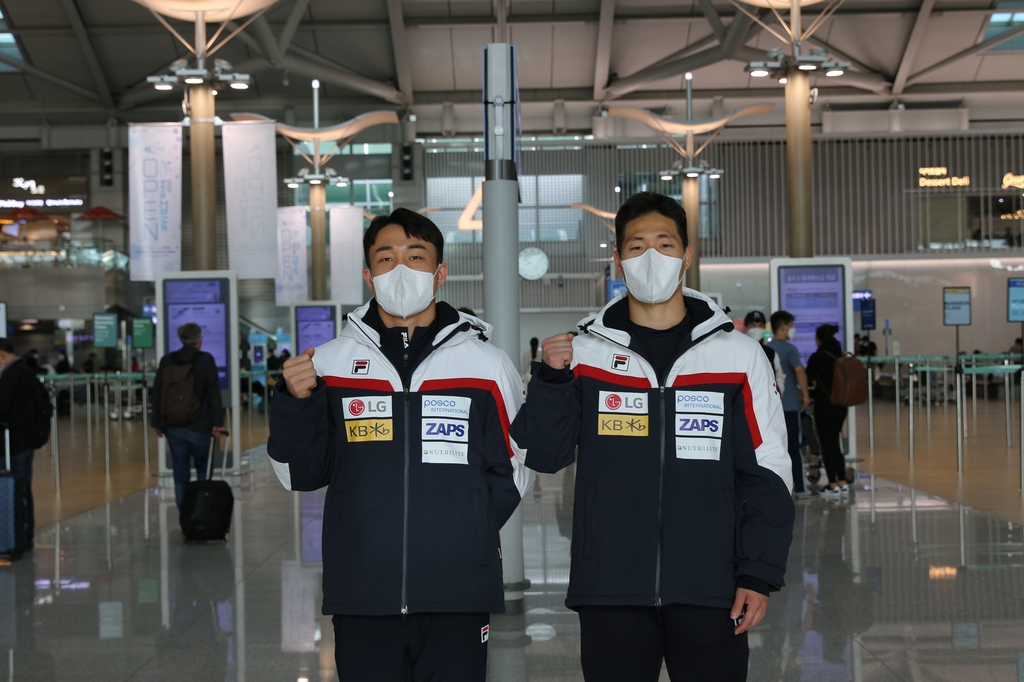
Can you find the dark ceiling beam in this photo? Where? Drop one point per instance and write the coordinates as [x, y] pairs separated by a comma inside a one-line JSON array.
[[971, 51], [602, 60], [910, 49], [400, 48], [287, 31], [53, 79], [88, 52]]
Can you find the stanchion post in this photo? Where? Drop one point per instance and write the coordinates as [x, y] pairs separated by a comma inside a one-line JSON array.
[[959, 424], [897, 374], [266, 398], [71, 402], [106, 425], [871, 407], [145, 419], [88, 412], [974, 391], [1022, 434], [251, 378], [117, 410], [910, 397], [1006, 400], [55, 444], [928, 399]]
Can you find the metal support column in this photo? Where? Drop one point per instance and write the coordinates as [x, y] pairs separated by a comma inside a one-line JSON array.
[[202, 112], [501, 245], [318, 252], [896, 373], [798, 163], [691, 204]]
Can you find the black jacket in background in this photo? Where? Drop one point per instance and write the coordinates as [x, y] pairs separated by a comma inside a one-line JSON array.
[[204, 369], [15, 405]]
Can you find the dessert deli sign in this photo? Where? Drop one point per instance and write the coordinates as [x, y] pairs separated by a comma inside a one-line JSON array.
[[938, 176], [54, 193]]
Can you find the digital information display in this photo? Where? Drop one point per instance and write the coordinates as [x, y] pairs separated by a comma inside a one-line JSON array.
[[867, 314], [956, 306], [205, 302], [1014, 299], [815, 295], [315, 325], [142, 333], [104, 330], [3, 320]]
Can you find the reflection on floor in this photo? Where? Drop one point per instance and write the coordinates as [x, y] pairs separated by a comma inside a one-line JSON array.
[[892, 585]]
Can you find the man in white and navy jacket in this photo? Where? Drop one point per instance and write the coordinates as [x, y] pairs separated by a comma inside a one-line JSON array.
[[682, 518], [405, 418]]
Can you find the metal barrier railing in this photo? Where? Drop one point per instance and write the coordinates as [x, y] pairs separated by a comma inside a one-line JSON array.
[[102, 387]]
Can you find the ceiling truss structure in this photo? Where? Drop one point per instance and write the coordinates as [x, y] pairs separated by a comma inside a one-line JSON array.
[[408, 55]]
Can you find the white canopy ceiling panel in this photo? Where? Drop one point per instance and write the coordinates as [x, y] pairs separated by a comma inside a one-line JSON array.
[[430, 58], [639, 44], [58, 55], [363, 10], [995, 65], [947, 35], [534, 45], [575, 49], [149, 54], [424, 8], [365, 50], [468, 55]]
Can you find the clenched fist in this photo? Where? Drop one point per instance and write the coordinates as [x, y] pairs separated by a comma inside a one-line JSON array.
[[300, 374], [557, 351]]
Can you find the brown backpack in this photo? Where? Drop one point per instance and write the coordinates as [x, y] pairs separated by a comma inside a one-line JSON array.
[[849, 381], [179, 404]]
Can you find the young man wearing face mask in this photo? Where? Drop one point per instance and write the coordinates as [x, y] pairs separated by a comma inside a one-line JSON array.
[[405, 417], [795, 395], [682, 517], [755, 324]]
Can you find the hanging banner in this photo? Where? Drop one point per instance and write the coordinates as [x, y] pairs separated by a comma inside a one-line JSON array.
[[154, 199], [292, 281], [347, 254], [250, 197]]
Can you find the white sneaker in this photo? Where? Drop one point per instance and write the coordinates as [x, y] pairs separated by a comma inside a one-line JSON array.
[[832, 493]]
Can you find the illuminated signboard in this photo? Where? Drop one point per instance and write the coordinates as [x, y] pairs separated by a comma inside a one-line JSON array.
[[1011, 180], [54, 193], [938, 176]]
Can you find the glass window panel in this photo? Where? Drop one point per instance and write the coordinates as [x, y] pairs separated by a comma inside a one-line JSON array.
[[559, 224], [527, 224], [528, 190], [559, 190], [449, 192]]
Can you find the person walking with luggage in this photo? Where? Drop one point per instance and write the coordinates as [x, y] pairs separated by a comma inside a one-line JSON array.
[[796, 395], [404, 418], [682, 516], [187, 406], [16, 401], [828, 418]]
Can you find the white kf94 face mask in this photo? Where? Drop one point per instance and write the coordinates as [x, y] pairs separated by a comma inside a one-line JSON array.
[[403, 292], [653, 277]]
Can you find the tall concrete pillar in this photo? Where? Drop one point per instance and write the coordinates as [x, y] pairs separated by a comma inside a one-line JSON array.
[[204, 177], [691, 204], [318, 226], [798, 163]]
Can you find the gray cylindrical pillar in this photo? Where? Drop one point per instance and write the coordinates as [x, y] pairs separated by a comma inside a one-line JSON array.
[[204, 177], [501, 308], [691, 204], [318, 252], [798, 163]]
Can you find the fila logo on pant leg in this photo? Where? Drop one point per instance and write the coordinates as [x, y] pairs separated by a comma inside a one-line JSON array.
[[484, 632]]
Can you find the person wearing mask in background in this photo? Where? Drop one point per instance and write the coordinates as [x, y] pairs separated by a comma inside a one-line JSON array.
[[404, 417], [682, 516], [828, 418], [796, 396], [16, 412], [755, 326]]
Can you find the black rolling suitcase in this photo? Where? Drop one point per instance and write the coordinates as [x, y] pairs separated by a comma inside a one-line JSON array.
[[13, 500], [207, 506]]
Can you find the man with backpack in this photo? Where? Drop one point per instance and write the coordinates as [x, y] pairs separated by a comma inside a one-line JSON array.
[[187, 407], [24, 403]]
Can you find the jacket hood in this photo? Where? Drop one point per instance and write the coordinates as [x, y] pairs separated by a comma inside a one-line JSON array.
[[462, 327], [711, 318]]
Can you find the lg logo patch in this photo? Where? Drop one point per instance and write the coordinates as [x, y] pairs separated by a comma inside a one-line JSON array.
[[613, 401]]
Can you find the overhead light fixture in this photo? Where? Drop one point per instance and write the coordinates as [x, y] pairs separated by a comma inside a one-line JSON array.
[[293, 185], [689, 76], [342, 183], [316, 83], [215, 93], [391, 195], [714, 176], [783, 80], [808, 67], [194, 80], [239, 85], [603, 245], [666, 178], [692, 174], [759, 73], [314, 182], [163, 86], [617, 189], [832, 73]]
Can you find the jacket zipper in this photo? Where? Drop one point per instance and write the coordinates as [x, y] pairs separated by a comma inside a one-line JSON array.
[[405, 517], [661, 493]]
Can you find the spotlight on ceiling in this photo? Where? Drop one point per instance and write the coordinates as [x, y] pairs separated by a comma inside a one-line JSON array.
[[193, 80], [832, 73], [163, 86], [759, 73], [238, 85]]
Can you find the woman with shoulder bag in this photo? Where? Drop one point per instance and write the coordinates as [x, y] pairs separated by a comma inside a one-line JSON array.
[[828, 417]]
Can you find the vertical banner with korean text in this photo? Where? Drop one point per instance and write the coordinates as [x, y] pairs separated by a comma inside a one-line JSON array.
[[346, 228], [292, 281], [154, 199], [250, 197]]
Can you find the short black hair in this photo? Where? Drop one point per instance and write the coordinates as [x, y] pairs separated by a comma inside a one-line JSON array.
[[781, 317], [414, 224], [644, 203], [6, 345]]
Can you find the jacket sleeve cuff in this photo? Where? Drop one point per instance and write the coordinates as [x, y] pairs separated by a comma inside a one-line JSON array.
[[550, 375], [289, 404], [749, 583]]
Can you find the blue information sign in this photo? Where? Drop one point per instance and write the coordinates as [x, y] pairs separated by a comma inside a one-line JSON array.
[[867, 314], [1015, 299]]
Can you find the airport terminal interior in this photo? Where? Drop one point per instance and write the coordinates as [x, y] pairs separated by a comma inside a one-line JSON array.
[[854, 162]]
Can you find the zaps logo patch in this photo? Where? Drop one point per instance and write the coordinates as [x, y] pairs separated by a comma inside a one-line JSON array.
[[361, 367], [620, 363], [485, 631]]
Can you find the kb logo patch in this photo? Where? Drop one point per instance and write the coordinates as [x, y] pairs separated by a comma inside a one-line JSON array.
[[363, 430], [625, 425]]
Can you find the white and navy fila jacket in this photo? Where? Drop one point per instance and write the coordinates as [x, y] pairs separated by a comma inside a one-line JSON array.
[[419, 477], [683, 482]]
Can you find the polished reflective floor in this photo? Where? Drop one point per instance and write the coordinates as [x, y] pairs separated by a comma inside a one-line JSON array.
[[892, 584]]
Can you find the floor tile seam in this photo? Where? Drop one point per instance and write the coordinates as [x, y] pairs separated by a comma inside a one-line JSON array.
[[945, 499], [857, 640]]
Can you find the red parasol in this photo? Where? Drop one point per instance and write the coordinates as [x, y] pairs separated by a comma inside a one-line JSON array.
[[100, 213], [27, 214]]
